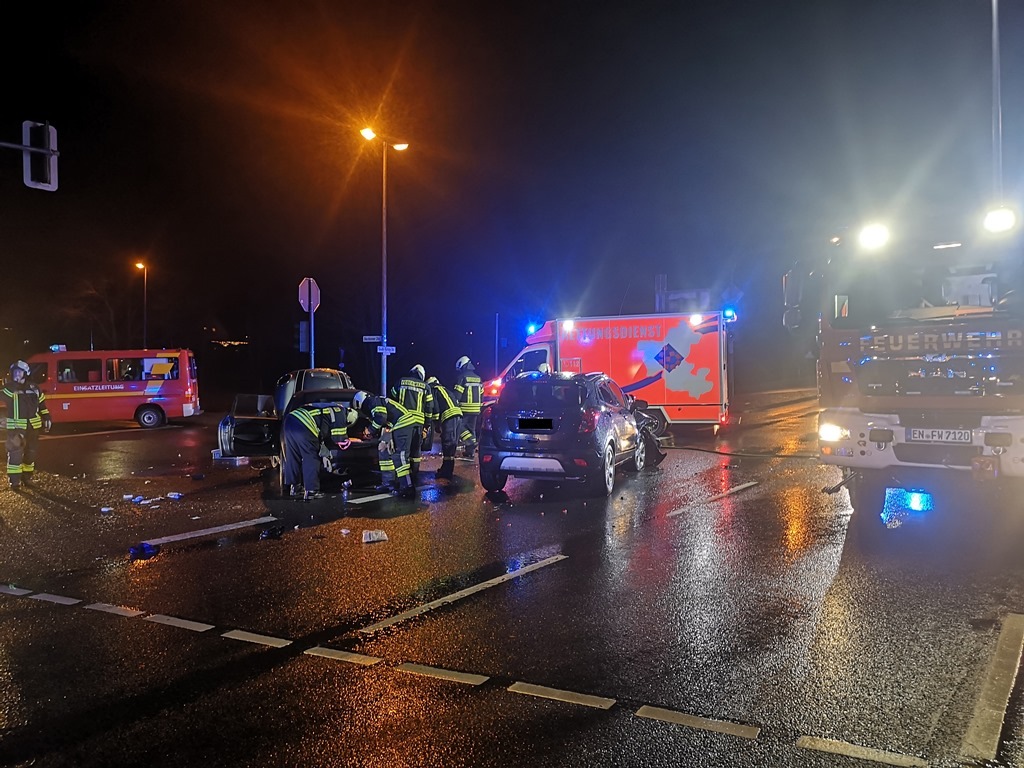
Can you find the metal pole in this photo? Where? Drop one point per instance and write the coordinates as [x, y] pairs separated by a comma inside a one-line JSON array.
[[309, 303], [997, 108], [384, 269], [495, 343], [145, 306]]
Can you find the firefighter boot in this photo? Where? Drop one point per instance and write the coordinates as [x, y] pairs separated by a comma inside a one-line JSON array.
[[447, 469]]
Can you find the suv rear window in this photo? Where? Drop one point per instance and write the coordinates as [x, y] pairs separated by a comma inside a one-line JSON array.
[[531, 393]]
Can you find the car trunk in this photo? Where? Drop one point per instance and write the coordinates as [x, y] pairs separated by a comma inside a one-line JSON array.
[[537, 416]]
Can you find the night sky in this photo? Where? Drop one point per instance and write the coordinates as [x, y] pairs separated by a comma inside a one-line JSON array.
[[561, 155]]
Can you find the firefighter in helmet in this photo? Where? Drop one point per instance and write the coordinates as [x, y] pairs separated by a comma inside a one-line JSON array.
[[448, 417], [305, 429], [469, 391], [27, 415], [383, 414], [414, 396]]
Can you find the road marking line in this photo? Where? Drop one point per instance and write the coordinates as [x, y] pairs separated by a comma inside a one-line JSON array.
[[443, 674], [703, 723], [117, 610], [375, 497], [459, 595], [172, 621], [861, 753], [981, 742], [14, 591], [352, 658], [209, 531], [252, 637], [125, 431], [730, 492], [555, 694], [59, 599]]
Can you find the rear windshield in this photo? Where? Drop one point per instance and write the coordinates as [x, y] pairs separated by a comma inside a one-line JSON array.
[[529, 393]]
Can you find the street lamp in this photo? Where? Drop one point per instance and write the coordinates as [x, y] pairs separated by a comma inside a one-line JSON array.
[[145, 299], [369, 135]]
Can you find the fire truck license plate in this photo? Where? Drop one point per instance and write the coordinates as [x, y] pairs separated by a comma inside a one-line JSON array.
[[938, 435]]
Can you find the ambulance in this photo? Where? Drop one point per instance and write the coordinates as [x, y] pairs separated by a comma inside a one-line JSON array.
[[678, 363]]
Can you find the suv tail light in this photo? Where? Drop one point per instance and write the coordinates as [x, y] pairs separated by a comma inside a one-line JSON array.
[[485, 420], [588, 420]]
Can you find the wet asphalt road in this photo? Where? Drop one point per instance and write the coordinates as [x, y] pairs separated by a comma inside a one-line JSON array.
[[686, 627]]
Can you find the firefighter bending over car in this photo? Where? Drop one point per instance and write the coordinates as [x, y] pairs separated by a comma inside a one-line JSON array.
[[448, 417], [469, 391], [305, 430], [27, 415], [391, 424]]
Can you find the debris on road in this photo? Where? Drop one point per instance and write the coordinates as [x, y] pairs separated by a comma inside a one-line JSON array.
[[143, 551], [369, 537]]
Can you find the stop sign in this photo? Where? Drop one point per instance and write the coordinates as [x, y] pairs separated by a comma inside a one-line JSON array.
[[309, 294]]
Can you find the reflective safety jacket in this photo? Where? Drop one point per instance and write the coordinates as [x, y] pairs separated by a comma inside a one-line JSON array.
[[469, 389], [445, 406], [326, 421], [386, 413], [25, 405], [415, 397]]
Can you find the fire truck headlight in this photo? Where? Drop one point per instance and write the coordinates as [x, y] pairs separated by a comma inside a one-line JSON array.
[[1000, 220], [873, 237], [832, 433]]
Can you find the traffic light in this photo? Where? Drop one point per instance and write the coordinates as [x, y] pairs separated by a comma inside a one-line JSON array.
[[40, 155]]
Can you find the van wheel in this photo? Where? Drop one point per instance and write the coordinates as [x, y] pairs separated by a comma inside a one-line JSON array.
[[661, 423], [149, 416], [602, 480], [867, 497]]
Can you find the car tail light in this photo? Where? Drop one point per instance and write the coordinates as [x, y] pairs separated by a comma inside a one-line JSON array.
[[486, 458], [580, 462], [485, 420], [588, 421]]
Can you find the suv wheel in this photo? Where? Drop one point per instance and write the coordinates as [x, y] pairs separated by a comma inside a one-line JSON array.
[[639, 460], [602, 479], [492, 481]]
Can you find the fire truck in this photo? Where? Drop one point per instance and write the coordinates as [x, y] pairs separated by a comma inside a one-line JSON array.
[[678, 363], [920, 361]]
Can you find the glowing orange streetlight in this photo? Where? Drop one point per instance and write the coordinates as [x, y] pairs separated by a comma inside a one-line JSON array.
[[370, 135], [145, 299]]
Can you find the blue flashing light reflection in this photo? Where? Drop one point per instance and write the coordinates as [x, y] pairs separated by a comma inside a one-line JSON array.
[[847, 380], [902, 501]]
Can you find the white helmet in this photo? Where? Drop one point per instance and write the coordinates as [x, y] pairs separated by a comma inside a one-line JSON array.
[[544, 368], [357, 400], [22, 366], [433, 380], [461, 363], [420, 371]]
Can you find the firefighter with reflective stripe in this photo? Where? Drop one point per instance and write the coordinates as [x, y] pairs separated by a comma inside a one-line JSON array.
[[383, 415], [469, 391], [414, 395], [26, 415], [448, 418], [305, 429]]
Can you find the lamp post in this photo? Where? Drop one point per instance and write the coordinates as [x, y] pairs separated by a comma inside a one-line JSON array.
[[1001, 218], [369, 135], [145, 300]]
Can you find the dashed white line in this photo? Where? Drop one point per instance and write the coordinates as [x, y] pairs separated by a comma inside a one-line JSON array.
[[210, 531], [252, 637], [556, 694], [59, 599], [861, 753], [375, 497], [443, 674], [703, 723], [981, 742], [173, 621], [459, 595], [730, 492], [117, 610], [10, 589], [351, 658]]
